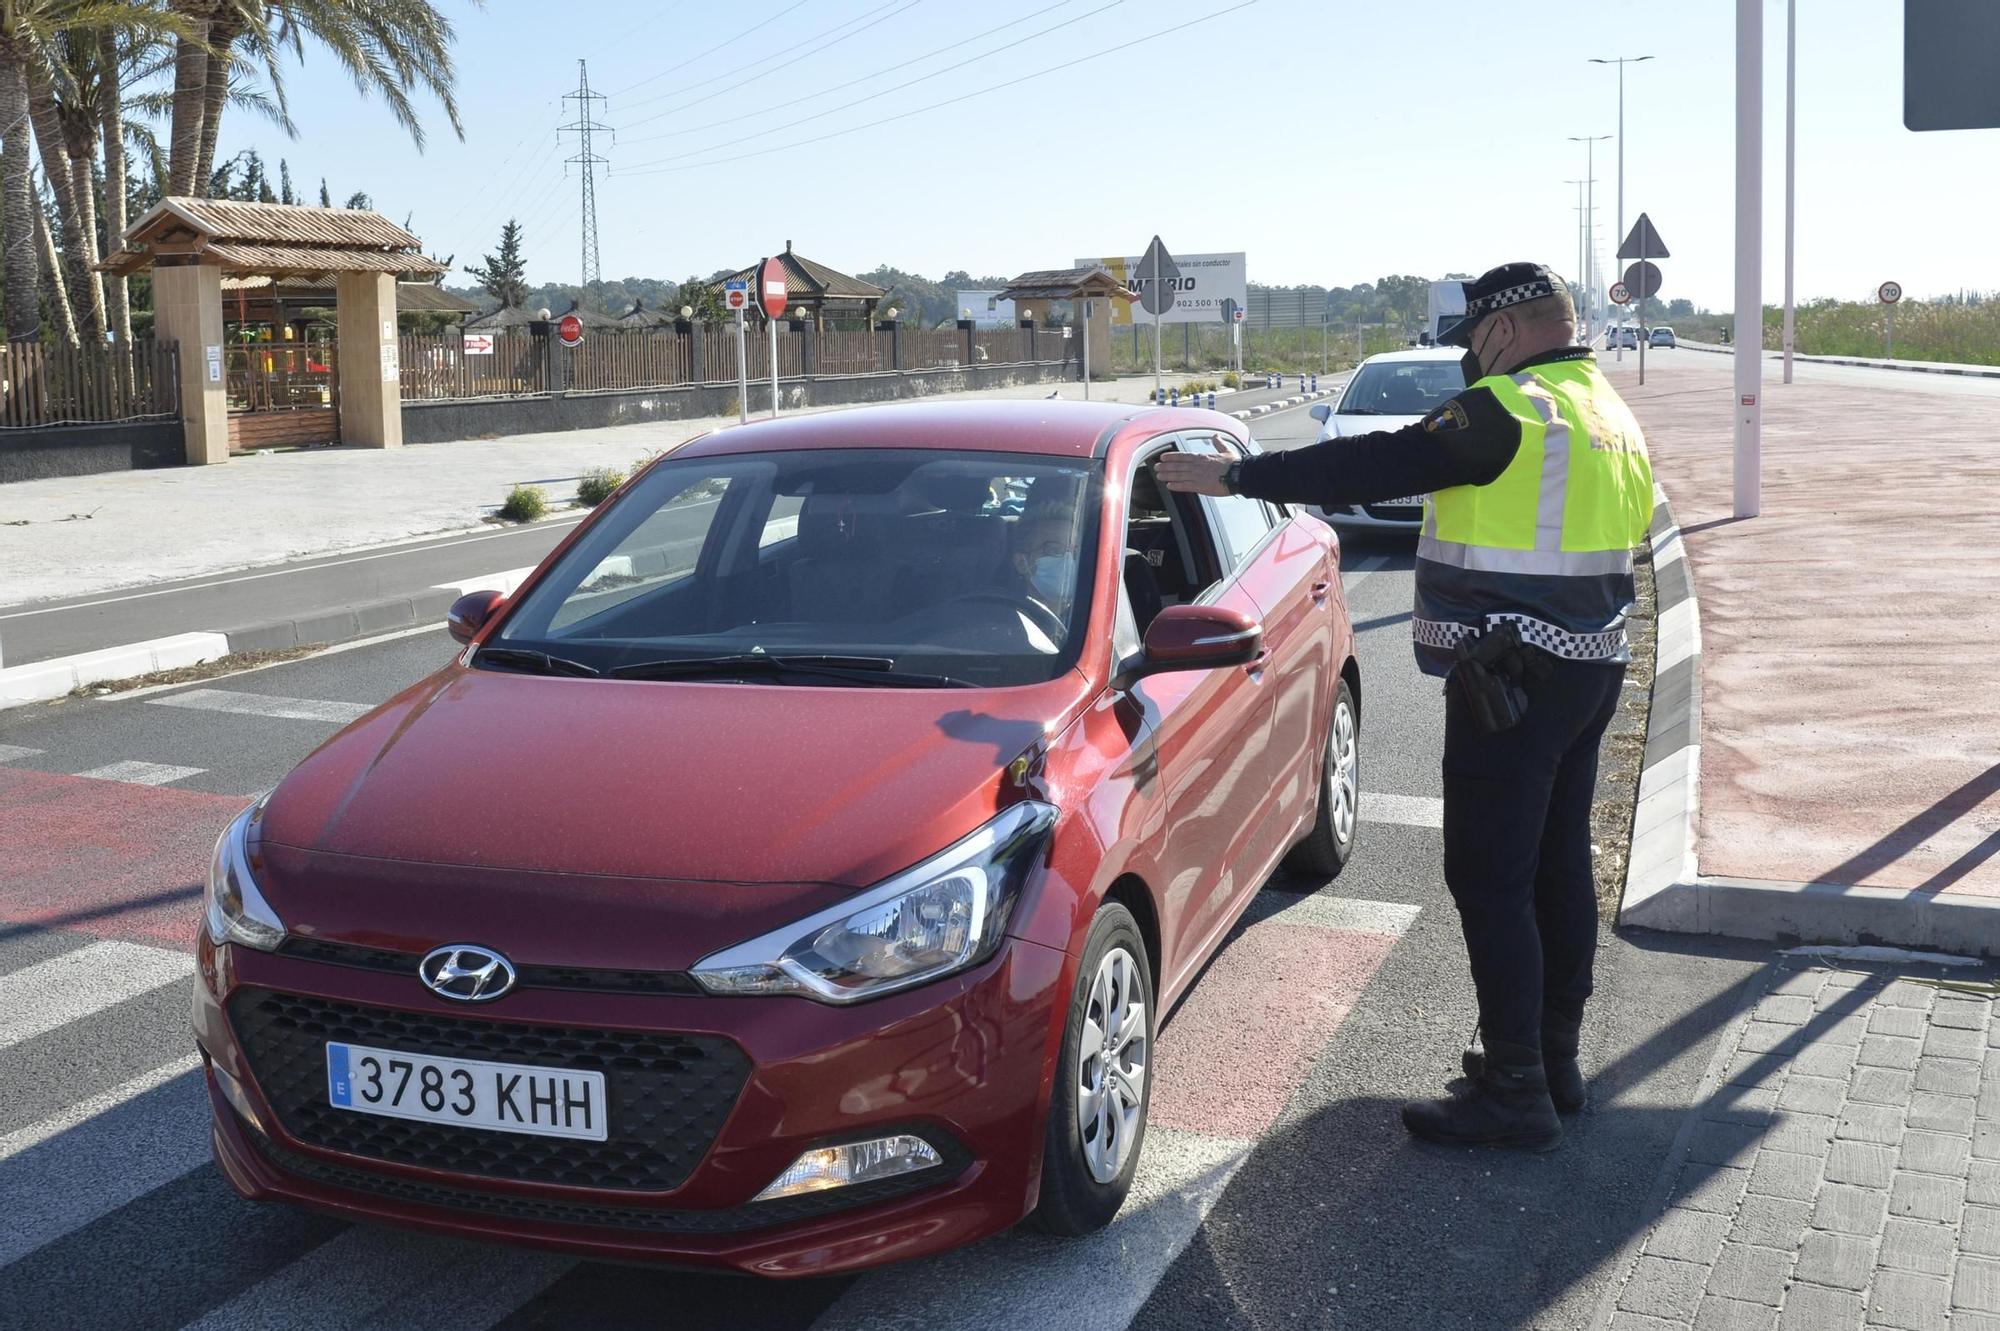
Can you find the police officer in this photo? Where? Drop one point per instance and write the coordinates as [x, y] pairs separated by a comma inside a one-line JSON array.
[[1539, 489]]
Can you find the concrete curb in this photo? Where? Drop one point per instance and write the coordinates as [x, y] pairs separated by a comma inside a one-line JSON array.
[[43, 681], [1664, 888], [1906, 366], [1280, 405]]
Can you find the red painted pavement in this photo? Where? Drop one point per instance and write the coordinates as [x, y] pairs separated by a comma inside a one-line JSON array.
[[1235, 1050], [106, 857]]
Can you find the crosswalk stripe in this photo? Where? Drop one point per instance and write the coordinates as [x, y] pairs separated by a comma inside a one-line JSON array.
[[10, 753], [137, 773], [264, 704], [56, 992], [1408, 810], [388, 1280], [96, 1155]]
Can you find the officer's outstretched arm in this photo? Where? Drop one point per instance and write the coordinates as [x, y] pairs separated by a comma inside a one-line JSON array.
[[1467, 441]]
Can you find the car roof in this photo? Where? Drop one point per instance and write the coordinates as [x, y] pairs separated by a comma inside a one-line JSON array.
[[1418, 354], [1043, 425]]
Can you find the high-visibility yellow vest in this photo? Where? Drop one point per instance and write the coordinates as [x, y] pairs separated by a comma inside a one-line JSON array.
[[1548, 543]]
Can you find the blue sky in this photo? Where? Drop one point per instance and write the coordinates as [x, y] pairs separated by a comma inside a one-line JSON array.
[[1332, 140]]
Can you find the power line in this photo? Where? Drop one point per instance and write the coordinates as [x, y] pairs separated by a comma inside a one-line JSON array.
[[496, 200], [949, 101], [589, 161], [865, 78], [728, 41], [767, 69], [822, 112]]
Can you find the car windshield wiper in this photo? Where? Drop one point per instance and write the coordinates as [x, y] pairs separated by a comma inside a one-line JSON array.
[[1358, 411], [878, 671], [540, 663]]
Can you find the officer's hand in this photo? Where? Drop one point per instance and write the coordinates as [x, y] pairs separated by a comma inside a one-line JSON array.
[[1190, 474]]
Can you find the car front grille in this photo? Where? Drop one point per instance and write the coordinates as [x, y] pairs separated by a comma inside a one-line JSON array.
[[576, 978], [667, 1094], [544, 1210]]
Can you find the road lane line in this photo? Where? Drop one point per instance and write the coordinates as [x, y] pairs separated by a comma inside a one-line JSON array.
[[504, 583], [136, 773], [263, 704], [10, 753], [1325, 950], [1405, 810], [1361, 572], [387, 1280], [56, 992], [93, 1157]]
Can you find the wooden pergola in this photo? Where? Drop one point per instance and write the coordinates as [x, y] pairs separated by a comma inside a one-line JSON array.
[[282, 302], [1092, 288], [823, 292], [191, 245]]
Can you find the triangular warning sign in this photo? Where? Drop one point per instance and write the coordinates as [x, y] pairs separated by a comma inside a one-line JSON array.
[[1643, 242]]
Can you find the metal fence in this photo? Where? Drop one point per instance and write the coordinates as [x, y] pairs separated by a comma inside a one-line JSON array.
[[63, 385], [450, 365]]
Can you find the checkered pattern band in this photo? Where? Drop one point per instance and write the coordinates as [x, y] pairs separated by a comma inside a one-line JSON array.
[[1540, 633], [1500, 300]]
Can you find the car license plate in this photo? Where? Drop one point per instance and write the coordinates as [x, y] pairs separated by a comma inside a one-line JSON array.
[[1413, 501], [466, 1092]]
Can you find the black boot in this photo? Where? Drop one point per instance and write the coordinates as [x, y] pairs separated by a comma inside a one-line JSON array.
[[1559, 1045], [1507, 1104]]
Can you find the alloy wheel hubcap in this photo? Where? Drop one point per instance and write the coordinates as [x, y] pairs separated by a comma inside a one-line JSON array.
[[1111, 1065], [1343, 772]]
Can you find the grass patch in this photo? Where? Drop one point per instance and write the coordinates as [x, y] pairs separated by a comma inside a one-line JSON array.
[[189, 674], [525, 503], [597, 486]]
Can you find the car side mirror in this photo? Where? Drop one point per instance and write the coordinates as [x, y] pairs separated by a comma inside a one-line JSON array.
[[1194, 637], [1320, 411], [469, 613]]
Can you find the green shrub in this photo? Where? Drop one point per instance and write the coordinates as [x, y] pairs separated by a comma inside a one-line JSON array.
[[597, 485], [525, 503]]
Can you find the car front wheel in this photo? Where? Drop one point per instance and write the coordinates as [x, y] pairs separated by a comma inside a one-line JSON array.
[[1325, 850], [1097, 1115]]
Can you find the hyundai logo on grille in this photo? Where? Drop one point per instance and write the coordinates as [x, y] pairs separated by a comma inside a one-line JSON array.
[[466, 972]]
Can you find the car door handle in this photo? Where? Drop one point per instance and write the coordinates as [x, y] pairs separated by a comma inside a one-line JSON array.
[[1258, 662], [1320, 589]]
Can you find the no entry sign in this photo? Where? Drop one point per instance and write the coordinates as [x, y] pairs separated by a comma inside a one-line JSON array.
[[771, 288], [569, 330]]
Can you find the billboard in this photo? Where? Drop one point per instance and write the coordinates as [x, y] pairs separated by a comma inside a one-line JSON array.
[[988, 310], [1206, 281]]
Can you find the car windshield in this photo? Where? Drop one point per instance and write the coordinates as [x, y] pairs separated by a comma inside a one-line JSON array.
[[902, 567], [1402, 388]]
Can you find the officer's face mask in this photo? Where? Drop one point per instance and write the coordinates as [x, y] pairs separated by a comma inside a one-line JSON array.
[[1484, 353]]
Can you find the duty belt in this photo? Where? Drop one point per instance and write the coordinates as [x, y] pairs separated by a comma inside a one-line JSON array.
[[1540, 633]]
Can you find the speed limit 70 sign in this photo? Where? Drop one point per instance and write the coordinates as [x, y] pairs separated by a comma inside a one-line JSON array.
[[1889, 292], [1620, 294]]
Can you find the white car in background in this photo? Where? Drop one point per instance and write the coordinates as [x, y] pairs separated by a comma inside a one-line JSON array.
[[1388, 392]]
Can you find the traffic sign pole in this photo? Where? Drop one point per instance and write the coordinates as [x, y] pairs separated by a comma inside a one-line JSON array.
[[774, 368], [1089, 308], [1644, 335], [742, 369], [1158, 397], [1889, 293]]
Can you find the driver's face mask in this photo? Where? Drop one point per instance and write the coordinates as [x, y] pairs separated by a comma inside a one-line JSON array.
[[1053, 576]]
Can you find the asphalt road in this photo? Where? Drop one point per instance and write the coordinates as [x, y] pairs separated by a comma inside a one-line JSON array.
[[1277, 1189]]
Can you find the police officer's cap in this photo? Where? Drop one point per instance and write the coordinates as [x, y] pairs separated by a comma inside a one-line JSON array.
[[1496, 289]]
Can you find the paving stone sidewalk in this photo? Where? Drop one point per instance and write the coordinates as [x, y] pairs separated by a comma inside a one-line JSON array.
[[1841, 1170]]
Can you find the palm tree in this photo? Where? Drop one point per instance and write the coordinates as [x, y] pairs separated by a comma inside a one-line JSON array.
[[19, 284], [31, 61], [394, 48]]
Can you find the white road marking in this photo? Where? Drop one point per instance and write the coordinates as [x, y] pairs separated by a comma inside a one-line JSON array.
[[264, 704], [56, 992], [136, 773], [384, 1279], [504, 583], [1407, 810], [1350, 913], [14, 753], [98, 1154], [1361, 571]]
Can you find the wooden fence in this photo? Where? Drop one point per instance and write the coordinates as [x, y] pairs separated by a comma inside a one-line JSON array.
[[64, 385]]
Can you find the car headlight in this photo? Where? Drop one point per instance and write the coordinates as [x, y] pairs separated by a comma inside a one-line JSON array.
[[236, 910], [941, 916]]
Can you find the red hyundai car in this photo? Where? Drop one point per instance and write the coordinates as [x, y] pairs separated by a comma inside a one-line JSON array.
[[792, 874]]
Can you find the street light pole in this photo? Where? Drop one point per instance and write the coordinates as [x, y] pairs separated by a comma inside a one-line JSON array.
[[1621, 61], [1590, 192], [1749, 255], [1582, 240], [1791, 137]]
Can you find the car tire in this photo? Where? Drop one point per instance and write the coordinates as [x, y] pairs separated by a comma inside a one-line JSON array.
[[1092, 1148], [1325, 850]]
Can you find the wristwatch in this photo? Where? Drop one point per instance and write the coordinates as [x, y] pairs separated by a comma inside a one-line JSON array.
[[1232, 476]]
